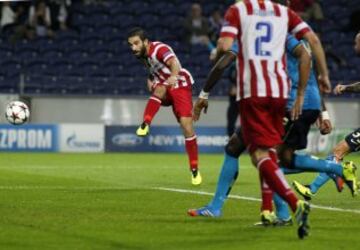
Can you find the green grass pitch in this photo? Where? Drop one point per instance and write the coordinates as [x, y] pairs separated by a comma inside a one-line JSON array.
[[111, 201]]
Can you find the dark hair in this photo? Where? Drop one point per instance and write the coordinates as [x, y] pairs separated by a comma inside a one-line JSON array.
[[137, 31]]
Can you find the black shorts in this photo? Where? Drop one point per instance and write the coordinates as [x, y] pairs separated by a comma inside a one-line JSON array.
[[296, 132], [353, 140], [238, 133]]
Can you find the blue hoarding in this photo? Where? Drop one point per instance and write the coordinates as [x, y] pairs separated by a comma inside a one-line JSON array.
[[29, 138], [163, 139]]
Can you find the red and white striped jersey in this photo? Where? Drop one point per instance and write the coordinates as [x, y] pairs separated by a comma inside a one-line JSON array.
[[261, 27], [159, 54]]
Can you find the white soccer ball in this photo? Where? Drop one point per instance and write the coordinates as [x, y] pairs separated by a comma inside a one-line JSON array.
[[17, 112]]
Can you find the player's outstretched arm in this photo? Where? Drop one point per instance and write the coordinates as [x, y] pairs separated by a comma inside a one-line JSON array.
[[218, 69], [352, 88], [212, 79], [324, 122], [321, 65], [304, 59], [223, 45]]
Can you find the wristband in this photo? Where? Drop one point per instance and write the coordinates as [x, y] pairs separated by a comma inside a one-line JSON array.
[[325, 115], [204, 95]]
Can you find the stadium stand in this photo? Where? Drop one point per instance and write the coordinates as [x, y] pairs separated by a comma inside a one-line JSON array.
[[92, 58]]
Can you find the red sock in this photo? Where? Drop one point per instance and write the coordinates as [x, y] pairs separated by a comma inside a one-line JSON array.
[[267, 195], [275, 178], [152, 107], [192, 152]]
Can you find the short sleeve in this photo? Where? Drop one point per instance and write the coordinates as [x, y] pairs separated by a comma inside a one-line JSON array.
[[291, 43], [231, 25], [164, 54], [297, 26]]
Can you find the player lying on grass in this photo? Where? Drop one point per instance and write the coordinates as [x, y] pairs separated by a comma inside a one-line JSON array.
[[170, 85], [296, 139], [350, 144]]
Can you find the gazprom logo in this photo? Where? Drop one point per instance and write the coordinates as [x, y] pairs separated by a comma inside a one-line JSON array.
[[126, 140], [34, 138], [73, 142]]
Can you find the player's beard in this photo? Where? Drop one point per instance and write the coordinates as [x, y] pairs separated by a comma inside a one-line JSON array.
[[142, 53]]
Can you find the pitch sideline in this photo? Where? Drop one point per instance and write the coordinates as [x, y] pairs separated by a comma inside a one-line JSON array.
[[239, 197]]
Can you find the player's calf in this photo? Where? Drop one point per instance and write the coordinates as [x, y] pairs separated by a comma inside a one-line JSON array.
[[151, 109], [235, 146]]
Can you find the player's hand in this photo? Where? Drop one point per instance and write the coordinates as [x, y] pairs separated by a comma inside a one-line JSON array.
[[325, 126], [324, 84], [171, 81], [200, 104], [339, 89], [297, 108]]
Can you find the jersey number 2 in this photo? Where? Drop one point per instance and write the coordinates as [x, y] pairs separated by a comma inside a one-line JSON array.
[[263, 39]]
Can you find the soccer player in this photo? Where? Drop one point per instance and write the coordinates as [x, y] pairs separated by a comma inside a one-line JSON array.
[[262, 85], [295, 136], [260, 28], [350, 144], [170, 85], [296, 139]]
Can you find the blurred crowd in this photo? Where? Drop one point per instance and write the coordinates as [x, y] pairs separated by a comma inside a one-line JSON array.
[[40, 18], [199, 29], [205, 30]]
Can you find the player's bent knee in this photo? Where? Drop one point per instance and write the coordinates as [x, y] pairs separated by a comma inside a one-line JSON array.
[[258, 154], [341, 149], [286, 156], [286, 162], [254, 160], [342, 146], [160, 92], [235, 147]]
